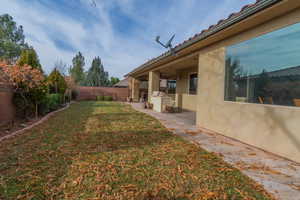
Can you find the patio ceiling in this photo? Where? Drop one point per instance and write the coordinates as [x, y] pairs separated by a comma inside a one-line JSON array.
[[170, 70]]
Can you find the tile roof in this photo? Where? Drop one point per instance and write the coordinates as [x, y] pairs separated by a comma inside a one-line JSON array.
[[122, 83], [233, 18]]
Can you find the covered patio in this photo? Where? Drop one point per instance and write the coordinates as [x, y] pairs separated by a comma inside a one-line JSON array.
[[186, 118], [177, 79]]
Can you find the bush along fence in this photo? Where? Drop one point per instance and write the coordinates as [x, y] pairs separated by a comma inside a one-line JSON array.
[[33, 94], [30, 93]]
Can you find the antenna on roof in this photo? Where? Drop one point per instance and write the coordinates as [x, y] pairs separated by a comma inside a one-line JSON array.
[[167, 45]]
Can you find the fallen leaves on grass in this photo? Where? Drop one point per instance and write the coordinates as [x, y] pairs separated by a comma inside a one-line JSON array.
[[106, 150], [193, 133]]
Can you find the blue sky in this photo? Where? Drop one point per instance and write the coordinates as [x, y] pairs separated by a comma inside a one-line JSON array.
[[121, 32]]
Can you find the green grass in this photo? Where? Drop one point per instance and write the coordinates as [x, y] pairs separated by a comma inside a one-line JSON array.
[[106, 150]]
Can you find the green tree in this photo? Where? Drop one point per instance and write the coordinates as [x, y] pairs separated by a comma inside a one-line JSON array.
[[57, 83], [106, 81], [96, 75], [61, 67], [77, 69], [12, 39], [30, 57], [93, 77], [114, 80]]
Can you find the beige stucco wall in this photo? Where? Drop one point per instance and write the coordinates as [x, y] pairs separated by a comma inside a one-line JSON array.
[[273, 128], [188, 100]]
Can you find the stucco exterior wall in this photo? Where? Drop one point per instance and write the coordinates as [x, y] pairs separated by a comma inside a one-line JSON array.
[[273, 128], [189, 102], [182, 88]]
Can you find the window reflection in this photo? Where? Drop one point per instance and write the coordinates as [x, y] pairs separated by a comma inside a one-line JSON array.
[[171, 86], [266, 69], [193, 82]]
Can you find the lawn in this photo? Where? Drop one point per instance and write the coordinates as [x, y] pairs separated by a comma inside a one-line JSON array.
[[106, 150]]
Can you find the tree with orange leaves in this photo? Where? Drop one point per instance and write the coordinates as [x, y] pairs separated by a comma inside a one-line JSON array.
[[29, 85]]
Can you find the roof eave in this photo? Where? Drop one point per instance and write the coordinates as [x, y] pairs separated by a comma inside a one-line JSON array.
[[247, 12]]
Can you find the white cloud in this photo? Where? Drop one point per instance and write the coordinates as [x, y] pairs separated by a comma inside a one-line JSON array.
[[120, 52]]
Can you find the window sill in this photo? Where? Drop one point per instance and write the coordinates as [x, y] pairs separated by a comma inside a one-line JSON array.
[[263, 105]]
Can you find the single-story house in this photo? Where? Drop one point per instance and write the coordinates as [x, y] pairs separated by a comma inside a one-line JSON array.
[[125, 83], [122, 83], [240, 76]]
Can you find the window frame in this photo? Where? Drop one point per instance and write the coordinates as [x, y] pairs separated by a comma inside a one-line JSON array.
[[254, 103], [189, 80]]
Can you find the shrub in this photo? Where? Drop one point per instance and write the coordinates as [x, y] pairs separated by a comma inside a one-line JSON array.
[[56, 82], [107, 98], [44, 107], [67, 98], [100, 98], [54, 101], [29, 87], [74, 94], [24, 107]]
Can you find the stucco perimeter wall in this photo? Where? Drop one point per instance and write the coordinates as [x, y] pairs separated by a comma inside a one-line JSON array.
[[7, 110], [188, 101], [91, 93], [272, 128]]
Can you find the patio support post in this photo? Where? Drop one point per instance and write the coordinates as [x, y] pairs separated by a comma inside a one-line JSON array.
[[179, 88], [154, 78], [135, 89]]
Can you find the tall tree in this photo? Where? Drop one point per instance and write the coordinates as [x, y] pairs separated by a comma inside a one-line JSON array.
[[93, 77], [57, 83], [30, 57], [114, 80], [77, 70], [12, 39], [61, 67], [96, 75]]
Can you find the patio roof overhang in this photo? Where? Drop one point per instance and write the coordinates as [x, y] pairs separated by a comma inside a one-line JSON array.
[[250, 16]]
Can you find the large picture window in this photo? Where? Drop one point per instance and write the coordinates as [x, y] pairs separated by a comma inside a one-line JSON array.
[[193, 82], [266, 69]]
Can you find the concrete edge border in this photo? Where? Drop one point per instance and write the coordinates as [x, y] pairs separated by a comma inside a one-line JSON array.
[[43, 119]]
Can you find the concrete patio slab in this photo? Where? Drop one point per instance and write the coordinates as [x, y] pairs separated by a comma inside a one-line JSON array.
[[279, 176]]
